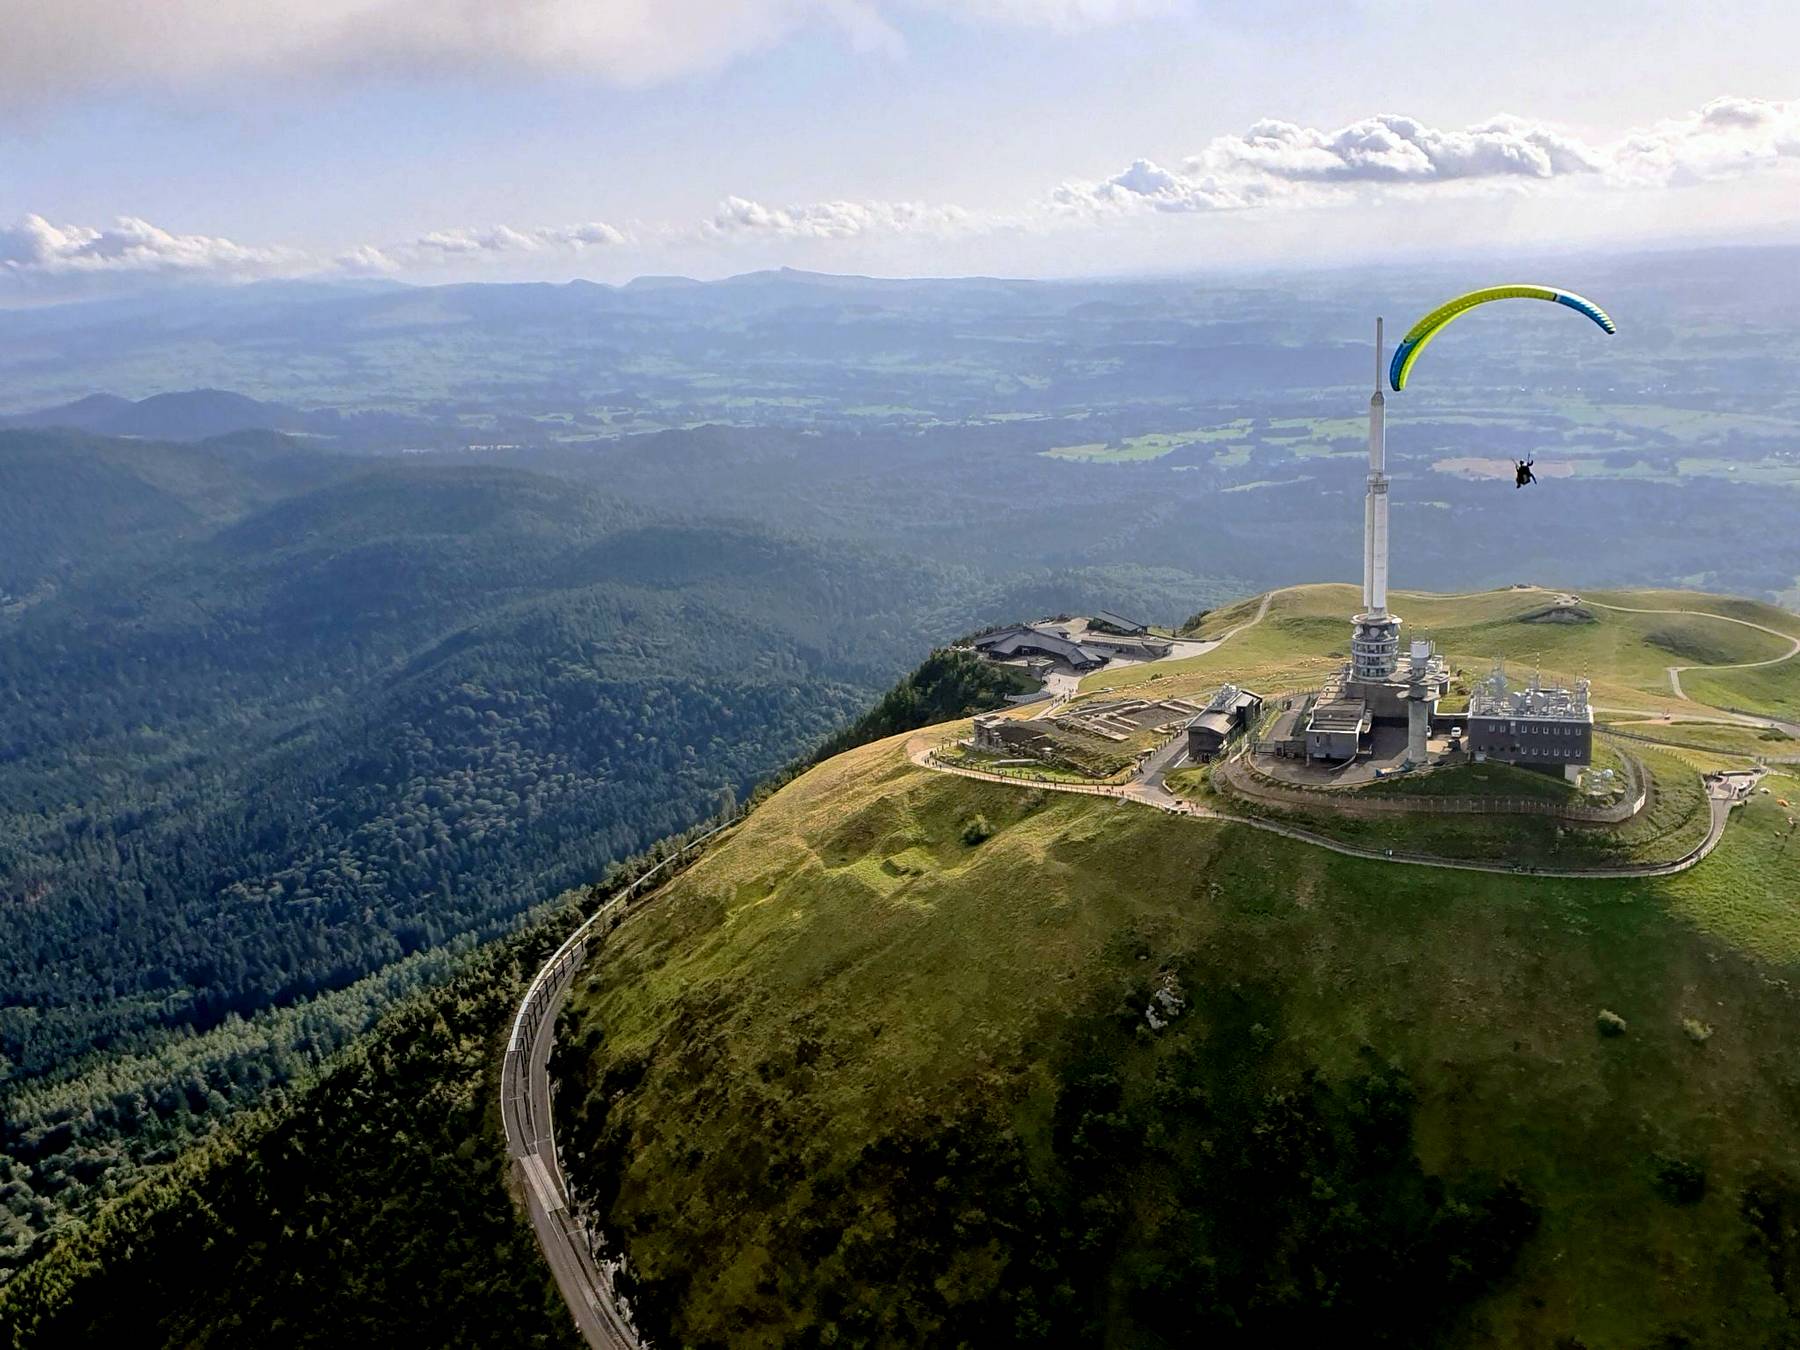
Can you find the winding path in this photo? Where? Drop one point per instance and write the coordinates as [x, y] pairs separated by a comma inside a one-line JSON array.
[[1149, 791], [1675, 671]]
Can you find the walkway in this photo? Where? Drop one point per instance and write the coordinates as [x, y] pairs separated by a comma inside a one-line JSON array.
[[1149, 791], [1675, 671]]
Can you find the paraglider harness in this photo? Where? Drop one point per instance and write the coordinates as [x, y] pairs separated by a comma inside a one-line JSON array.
[[1522, 473]]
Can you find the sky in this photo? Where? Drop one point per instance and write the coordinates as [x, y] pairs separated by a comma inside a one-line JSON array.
[[150, 142]]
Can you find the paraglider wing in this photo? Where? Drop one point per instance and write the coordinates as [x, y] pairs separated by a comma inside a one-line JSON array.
[[1422, 332]]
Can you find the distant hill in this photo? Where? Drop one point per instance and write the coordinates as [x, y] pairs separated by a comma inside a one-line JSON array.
[[1210, 423], [191, 415], [208, 414], [73, 502]]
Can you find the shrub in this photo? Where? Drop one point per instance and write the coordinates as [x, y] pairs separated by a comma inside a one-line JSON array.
[[1679, 1181], [976, 829]]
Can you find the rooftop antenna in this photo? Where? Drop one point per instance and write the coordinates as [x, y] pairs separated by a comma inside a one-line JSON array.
[[1375, 505]]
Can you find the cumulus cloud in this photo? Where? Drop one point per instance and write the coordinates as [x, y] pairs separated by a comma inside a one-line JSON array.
[[35, 248], [40, 258], [1727, 138], [1148, 185], [737, 216], [1274, 165], [1281, 163], [498, 239], [1391, 149]]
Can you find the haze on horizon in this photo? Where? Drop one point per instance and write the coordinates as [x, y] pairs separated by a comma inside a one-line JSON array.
[[431, 142]]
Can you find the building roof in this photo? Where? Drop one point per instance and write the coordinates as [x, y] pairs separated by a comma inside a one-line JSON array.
[[1230, 699], [1345, 714], [1288, 725], [1112, 620], [1495, 698], [1218, 723], [1024, 637], [1126, 641]]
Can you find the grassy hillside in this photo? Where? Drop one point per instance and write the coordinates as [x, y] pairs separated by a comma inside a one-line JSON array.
[[1674, 821], [879, 1070], [1745, 742]]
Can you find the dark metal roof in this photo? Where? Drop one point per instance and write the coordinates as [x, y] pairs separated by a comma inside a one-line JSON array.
[[1112, 620], [1010, 642]]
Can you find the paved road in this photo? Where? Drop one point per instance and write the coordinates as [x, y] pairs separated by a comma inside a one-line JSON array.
[[526, 1097], [1148, 785]]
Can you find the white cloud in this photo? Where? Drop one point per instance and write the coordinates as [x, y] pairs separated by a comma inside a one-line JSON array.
[[44, 259], [1147, 185], [1392, 149], [365, 260], [60, 49], [1280, 163], [499, 239], [35, 248], [1274, 166], [737, 216], [1728, 138]]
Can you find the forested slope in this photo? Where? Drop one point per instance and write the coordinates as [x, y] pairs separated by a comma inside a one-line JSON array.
[[262, 763], [367, 1207]]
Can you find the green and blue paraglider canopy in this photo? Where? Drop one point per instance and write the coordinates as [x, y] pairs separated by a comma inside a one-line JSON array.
[[1422, 332]]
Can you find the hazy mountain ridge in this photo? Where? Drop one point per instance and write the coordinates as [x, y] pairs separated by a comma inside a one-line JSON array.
[[1081, 423]]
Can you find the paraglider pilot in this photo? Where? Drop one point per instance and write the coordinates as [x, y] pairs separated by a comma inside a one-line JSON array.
[[1522, 473]]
